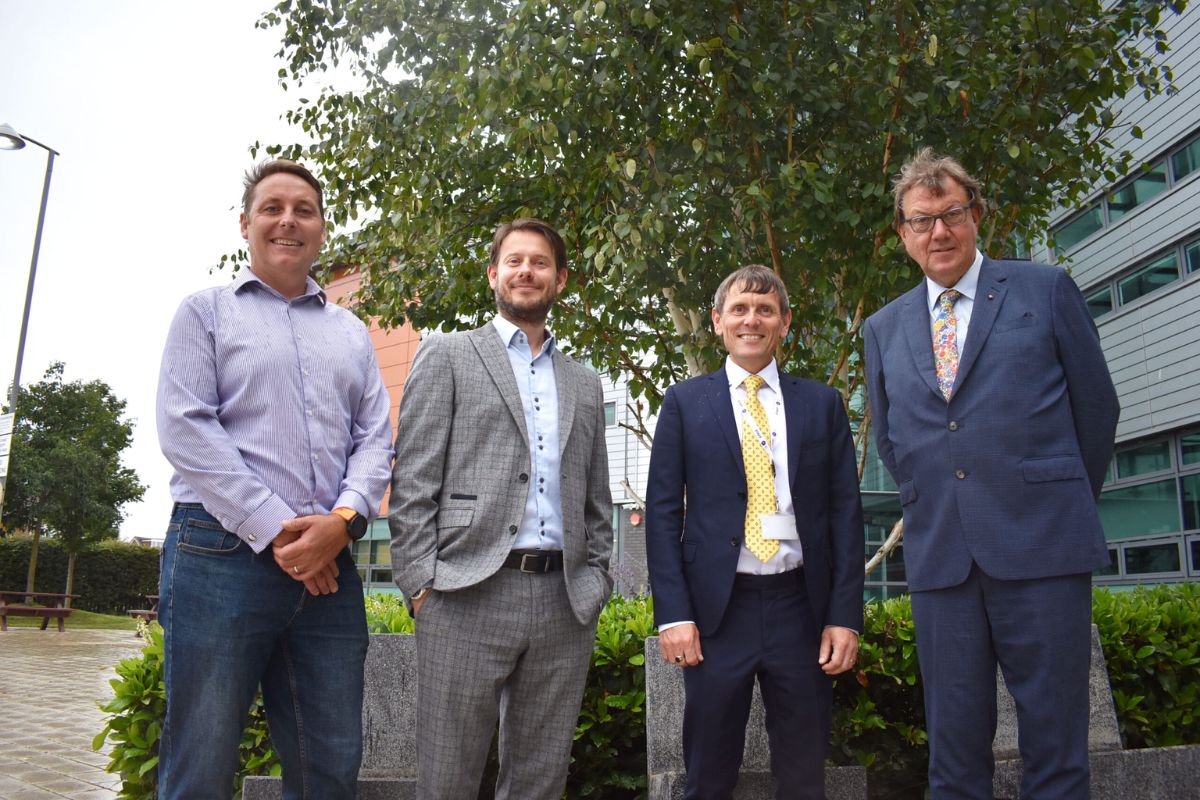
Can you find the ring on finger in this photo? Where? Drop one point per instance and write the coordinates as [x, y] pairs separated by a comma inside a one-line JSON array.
[[295, 569], [678, 659]]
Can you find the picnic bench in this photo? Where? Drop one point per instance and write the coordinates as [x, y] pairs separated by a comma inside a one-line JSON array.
[[50, 606], [149, 614]]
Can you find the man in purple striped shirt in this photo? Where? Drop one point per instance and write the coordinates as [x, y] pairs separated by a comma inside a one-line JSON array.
[[273, 413]]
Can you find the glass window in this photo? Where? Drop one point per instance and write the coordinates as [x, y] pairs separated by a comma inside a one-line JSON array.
[[1194, 547], [1100, 302], [1191, 501], [1192, 256], [1153, 276], [1140, 510], [1152, 558], [1189, 447], [381, 576], [610, 414], [381, 553], [1185, 161], [1078, 228], [1143, 460], [875, 477], [1138, 191], [1114, 565], [880, 513]]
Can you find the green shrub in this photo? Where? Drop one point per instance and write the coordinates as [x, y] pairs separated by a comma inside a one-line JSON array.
[[110, 576], [1151, 640], [608, 759]]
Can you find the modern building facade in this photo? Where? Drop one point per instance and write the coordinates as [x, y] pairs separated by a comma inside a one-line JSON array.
[[1133, 247]]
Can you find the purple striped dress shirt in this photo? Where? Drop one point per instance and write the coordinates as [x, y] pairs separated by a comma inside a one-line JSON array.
[[270, 409]]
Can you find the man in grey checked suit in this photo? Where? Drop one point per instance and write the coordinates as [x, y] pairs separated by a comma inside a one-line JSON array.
[[501, 532]]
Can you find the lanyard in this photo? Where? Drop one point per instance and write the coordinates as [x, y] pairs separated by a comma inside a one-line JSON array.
[[758, 434]]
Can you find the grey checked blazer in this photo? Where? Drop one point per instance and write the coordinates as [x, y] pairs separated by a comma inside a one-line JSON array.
[[461, 475]]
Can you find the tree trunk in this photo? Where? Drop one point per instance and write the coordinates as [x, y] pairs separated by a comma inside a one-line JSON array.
[[33, 548], [70, 578]]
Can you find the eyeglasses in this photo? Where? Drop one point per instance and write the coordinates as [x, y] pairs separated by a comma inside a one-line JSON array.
[[953, 217]]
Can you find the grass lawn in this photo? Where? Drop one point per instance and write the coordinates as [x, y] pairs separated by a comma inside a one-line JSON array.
[[80, 620]]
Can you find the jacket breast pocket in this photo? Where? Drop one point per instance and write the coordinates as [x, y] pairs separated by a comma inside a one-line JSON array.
[[1026, 320], [1052, 468]]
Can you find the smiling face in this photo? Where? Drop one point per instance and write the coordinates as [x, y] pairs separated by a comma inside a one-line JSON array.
[[525, 277], [284, 230], [752, 325], [944, 253]]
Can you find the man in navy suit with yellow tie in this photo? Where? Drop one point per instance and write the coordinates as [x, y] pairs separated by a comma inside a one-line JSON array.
[[762, 575], [995, 413]]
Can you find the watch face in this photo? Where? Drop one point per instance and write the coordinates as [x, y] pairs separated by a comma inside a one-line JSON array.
[[357, 527]]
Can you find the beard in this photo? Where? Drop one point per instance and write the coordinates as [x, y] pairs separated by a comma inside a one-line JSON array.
[[532, 311]]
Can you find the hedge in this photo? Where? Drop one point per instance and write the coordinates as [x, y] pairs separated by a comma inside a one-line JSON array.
[[110, 576], [1150, 636]]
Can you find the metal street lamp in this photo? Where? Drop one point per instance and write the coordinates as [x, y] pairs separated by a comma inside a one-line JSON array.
[[11, 140]]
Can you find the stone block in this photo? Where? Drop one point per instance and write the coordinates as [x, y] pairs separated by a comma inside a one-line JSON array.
[[389, 764], [1151, 774]]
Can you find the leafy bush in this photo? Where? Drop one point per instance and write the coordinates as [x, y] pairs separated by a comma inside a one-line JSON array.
[[1151, 640], [110, 576], [608, 759]]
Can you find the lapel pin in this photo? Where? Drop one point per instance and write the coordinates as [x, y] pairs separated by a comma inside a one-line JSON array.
[[991, 296]]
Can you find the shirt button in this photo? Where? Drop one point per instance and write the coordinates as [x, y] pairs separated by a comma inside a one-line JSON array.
[[306, 373], [299, 336], [953, 425], [512, 529], [523, 478], [733, 542], [310, 412], [316, 457], [960, 473]]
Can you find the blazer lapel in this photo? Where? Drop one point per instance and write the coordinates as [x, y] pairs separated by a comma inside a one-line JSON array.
[[721, 406], [989, 296], [566, 397], [494, 356], [795, 414], [915, 321]]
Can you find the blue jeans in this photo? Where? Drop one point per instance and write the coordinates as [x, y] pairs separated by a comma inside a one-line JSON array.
[[234, 620]]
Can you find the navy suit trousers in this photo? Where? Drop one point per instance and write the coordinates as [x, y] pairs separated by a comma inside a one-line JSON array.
[[768, 632]]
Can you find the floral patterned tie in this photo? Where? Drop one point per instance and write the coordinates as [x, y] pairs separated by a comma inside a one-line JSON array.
[[945, 341], [760, 472]]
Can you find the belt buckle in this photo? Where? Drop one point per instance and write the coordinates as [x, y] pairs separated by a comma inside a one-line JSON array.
[[525, 556]]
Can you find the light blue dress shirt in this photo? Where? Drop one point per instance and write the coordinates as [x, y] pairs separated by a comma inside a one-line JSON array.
[[541, 525], [967, 285], [270, 409]]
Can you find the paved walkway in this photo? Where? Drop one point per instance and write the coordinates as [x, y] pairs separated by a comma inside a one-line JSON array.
[[50, 683]]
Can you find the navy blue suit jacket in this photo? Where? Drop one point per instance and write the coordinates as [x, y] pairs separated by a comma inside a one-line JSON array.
[[692, 552], [1008, 471]]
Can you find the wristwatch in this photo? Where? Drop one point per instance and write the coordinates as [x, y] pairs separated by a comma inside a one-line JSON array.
[[356, 523]]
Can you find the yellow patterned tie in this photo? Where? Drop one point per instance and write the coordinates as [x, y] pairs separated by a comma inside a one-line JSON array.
[[760, 472]]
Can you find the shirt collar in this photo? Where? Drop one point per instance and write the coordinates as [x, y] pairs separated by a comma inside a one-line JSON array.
[[735, 374], [967, 285], [508, 330], [246, 276]]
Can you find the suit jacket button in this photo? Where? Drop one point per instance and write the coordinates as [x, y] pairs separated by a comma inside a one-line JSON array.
[[523, 478], [953, 425], [512, 529], [733, 542], [960, 473]]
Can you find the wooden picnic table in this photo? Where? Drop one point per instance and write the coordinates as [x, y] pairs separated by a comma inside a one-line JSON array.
[[149, 614], [49, 604]]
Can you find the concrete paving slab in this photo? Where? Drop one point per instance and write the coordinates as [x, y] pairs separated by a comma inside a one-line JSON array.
[[53, 682]]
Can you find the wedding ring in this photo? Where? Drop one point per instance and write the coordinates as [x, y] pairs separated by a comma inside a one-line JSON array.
[[678, 659], [295, 569]]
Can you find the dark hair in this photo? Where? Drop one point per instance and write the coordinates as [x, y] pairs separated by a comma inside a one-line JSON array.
[[265, 169], [754, 278], [930, 171], [529, 224]]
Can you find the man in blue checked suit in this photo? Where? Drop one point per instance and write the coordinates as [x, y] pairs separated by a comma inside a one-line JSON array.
[[760, 576], [273, 414], [995, 413]]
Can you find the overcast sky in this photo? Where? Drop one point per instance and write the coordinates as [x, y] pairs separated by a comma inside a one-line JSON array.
[[153, 106]]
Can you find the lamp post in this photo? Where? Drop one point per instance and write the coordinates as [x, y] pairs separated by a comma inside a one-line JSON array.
[[11, 140]]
